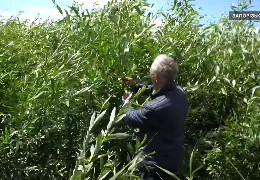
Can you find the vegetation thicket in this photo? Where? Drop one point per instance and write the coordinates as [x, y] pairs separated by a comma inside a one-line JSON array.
[[61, 88]]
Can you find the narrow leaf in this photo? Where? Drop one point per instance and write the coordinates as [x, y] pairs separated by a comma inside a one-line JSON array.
[[38, 95], [103, 174], [67, 102], [208, 51], [198, 168], [127, 99], [60, 10], [124, 108], [106, 102], [118, 136], [140, 92], [112, 118], [254, 89], [143, 141], [168, 172], [92, 120], [83, 90], [92, 151], [118, 119], [106, 48], [99, 142], [233, 82], [100, 116]]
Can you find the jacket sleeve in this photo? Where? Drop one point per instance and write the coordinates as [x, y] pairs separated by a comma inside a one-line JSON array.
[[141, 118]]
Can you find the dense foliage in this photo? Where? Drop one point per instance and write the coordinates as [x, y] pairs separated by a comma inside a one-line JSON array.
[[60, 81]]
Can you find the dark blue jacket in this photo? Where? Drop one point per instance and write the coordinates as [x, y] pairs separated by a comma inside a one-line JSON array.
[[162, 119]]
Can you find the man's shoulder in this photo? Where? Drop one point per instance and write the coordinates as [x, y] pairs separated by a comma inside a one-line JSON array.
[[180, 89], [167, 99]]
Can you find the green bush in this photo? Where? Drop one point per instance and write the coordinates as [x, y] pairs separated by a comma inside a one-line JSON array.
[[54, 75]]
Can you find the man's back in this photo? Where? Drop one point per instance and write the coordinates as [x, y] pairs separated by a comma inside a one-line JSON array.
[[162, 119]]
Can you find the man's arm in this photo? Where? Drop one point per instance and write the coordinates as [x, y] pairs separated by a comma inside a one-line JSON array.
[[137, 118], [140, 118], [134, 118]]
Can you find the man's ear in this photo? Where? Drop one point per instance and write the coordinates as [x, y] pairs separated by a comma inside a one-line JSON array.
[[157, 78]]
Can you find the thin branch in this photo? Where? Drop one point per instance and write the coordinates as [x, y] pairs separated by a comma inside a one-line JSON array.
[[236, 169]]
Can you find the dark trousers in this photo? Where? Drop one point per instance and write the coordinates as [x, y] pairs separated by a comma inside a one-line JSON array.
[[151, 172]]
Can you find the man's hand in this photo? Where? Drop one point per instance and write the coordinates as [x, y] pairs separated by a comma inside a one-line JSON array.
[[128, 81], [125, 95]]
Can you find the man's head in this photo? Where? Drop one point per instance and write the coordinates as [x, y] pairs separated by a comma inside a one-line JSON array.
[[163, 71]]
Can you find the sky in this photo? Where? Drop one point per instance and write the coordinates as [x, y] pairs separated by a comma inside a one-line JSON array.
[[45, 8]]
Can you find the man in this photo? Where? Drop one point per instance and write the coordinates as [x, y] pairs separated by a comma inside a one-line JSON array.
[[162, 119]]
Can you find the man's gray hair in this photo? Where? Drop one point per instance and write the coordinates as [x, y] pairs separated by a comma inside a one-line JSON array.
[[165, 67]]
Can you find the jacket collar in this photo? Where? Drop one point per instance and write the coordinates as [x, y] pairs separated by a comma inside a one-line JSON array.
[[166, 88]]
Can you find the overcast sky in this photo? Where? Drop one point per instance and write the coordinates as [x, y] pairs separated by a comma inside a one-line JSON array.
[[45, 8]]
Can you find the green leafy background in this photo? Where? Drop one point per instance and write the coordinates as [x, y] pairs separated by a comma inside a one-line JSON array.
[[57, 77]]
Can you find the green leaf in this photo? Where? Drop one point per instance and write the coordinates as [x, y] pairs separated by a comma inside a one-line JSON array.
[[138, 144], [119, 118], [145, 30], [168, 172], [92, 120], [143, 141], [138, 10], [245, 100], [212, 80], [140, 92], [83, 90], [67, 102], [191, 159], [112, 118], [78, 174], [7, 137], [245, 51], [106, 48], [118, 136], [254, 89], [130, 148], [133, 162], [124, 108], [101, 163], [217, 70], [230, 51], [119, 172], [75, 10], [37, 96], [100, 116], [138, 105], [88, 167], [103, 105], [60, 10], [99, 141], [103, 174], [92, 151], [233, 82], [208, 51], [223, 91]]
